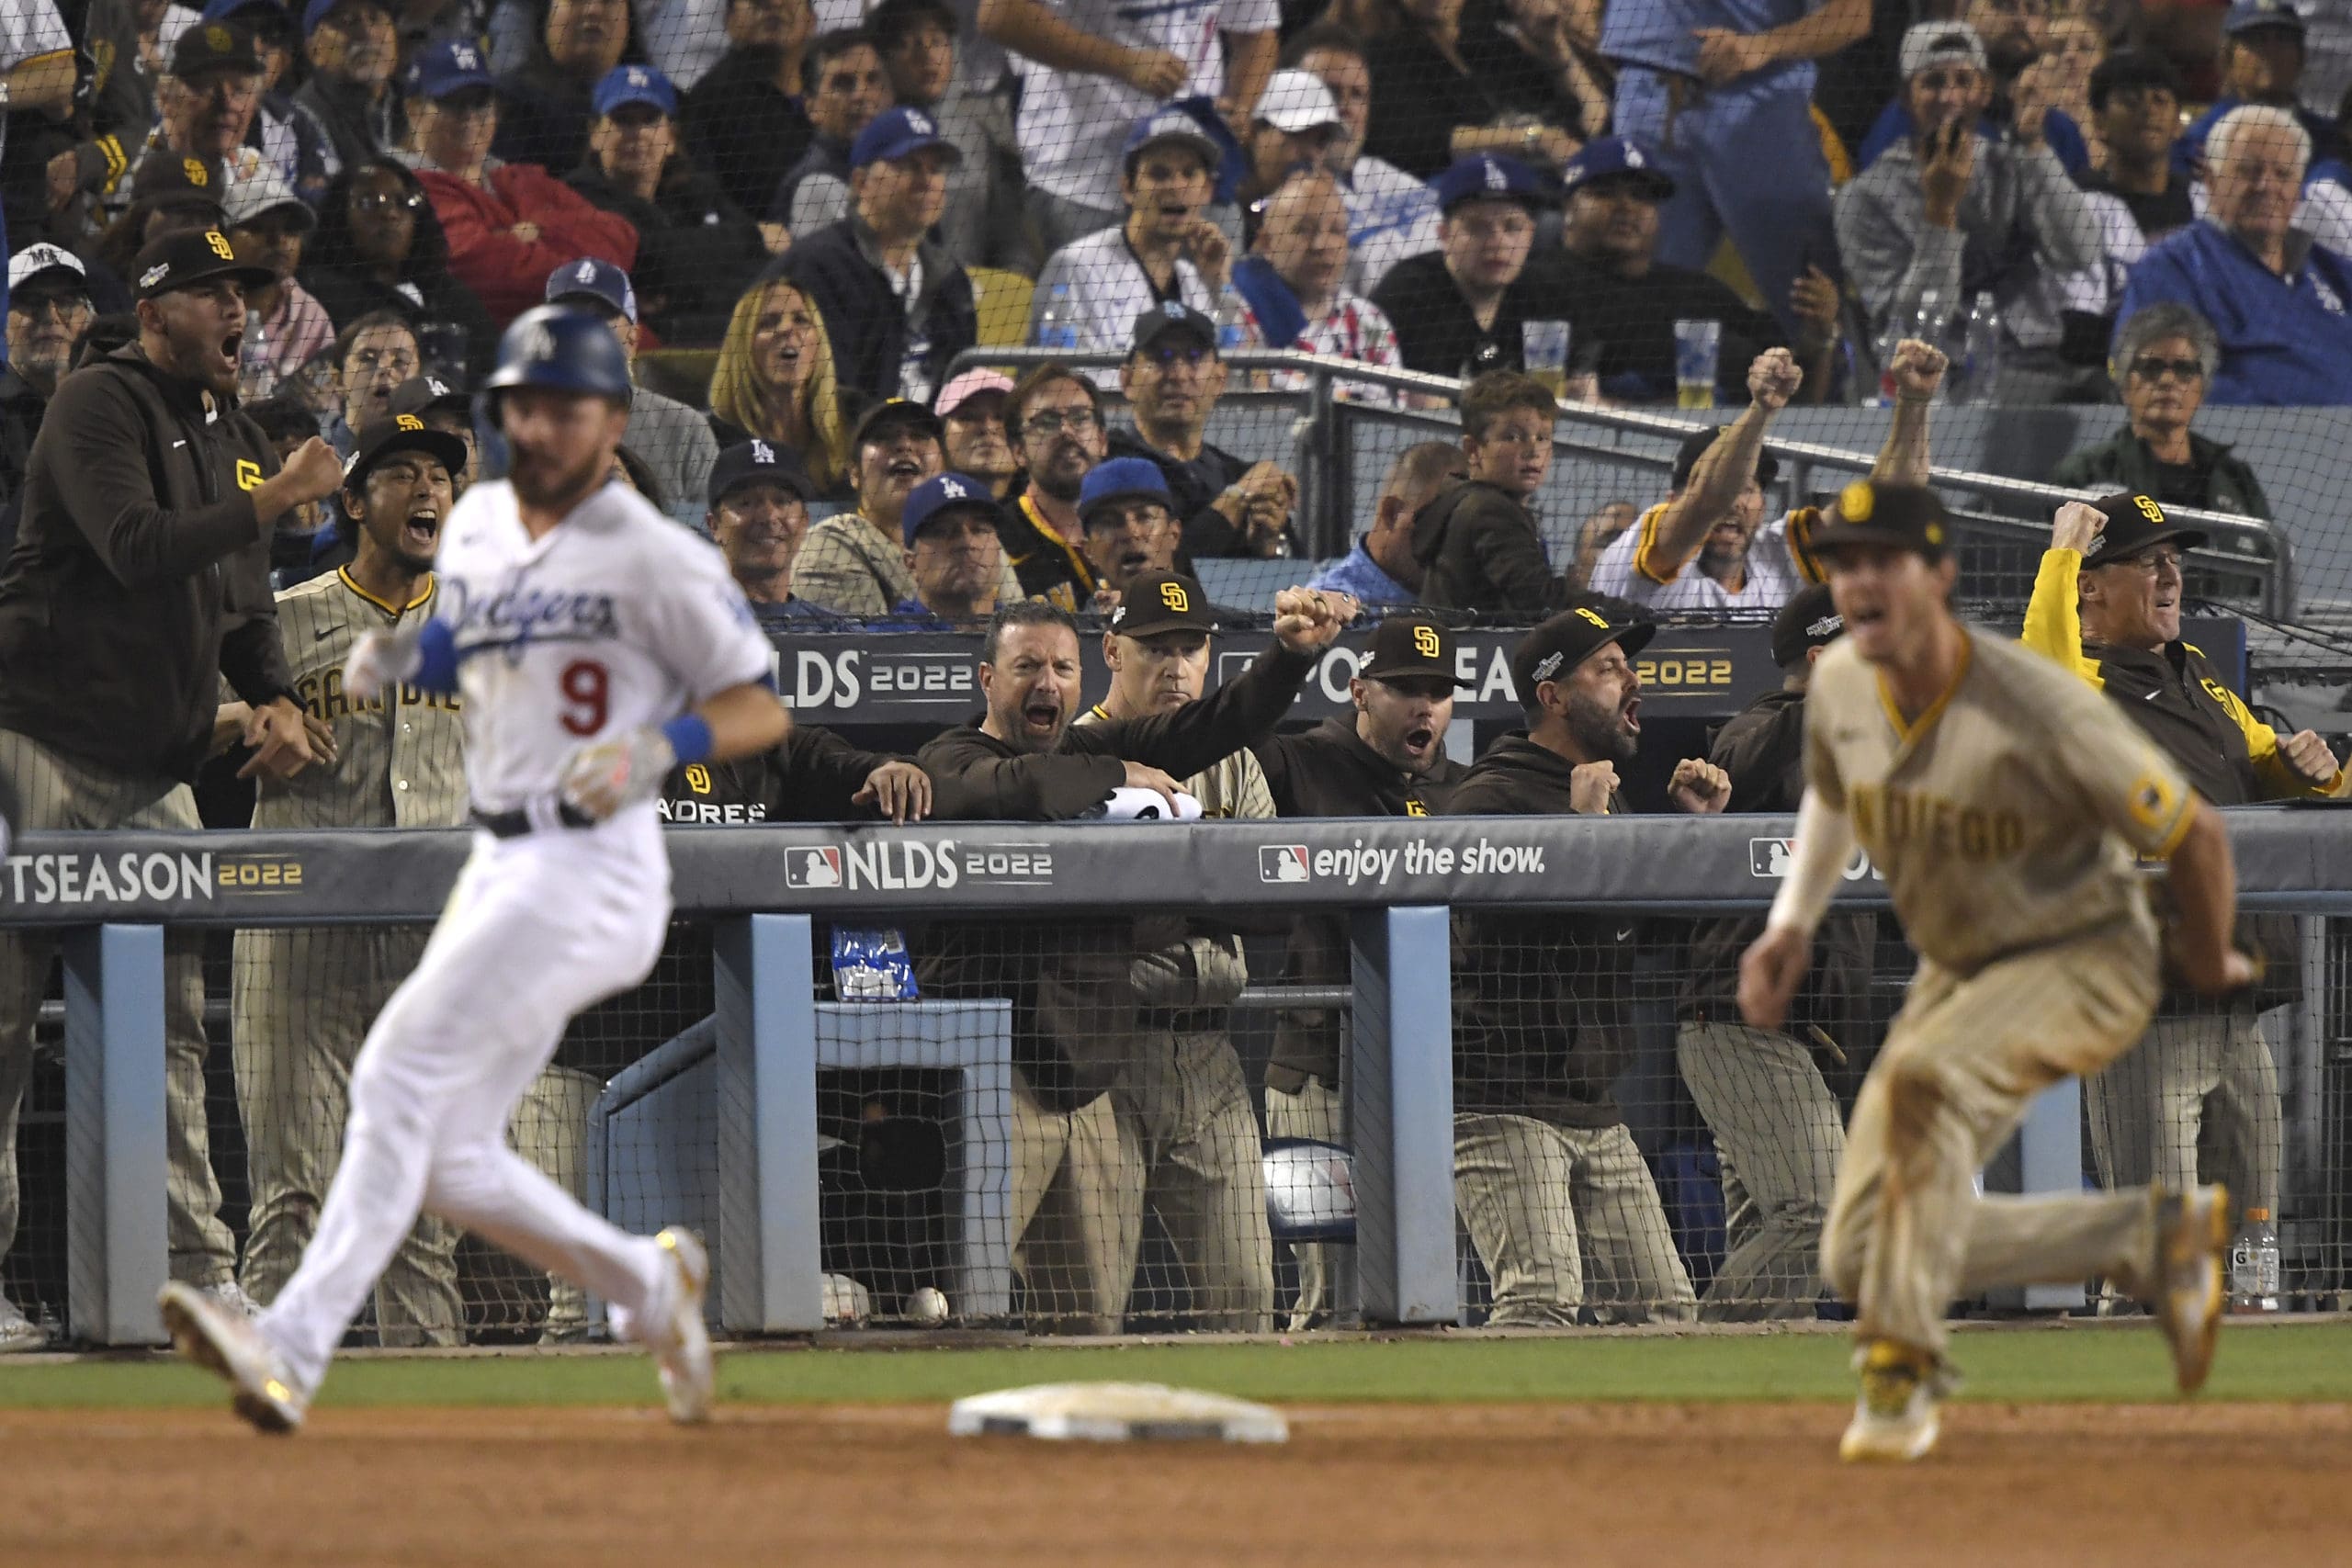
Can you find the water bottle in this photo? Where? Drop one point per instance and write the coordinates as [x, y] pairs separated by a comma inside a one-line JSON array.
[[1057, 323], [257, 373], [1980, 352], [2253, 1265]]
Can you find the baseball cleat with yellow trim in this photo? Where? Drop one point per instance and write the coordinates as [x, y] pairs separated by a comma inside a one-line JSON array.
[[225, 1342], [1895, 1418], [681, 1349], [2193, 1239]]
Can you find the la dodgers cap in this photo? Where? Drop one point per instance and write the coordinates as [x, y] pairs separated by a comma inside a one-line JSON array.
[[1484, 176], [1614, 157], [450, 66], [424, 394], [1169, 125], [758, 462], [947, 492], [2253, 16], [898, 133], [877, 421], [592, 277], [1566, 640], [624, 84], [1164, 602], [1170, 317], [1810, 619], [1409, 647]]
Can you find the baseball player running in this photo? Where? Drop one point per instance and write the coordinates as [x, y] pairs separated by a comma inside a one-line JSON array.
[[597, 646], [2004, 801]]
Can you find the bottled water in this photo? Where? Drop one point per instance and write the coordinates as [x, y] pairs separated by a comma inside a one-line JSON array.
[[1980, 353], [1232, 323], [2253, 1265], [1057, 323]]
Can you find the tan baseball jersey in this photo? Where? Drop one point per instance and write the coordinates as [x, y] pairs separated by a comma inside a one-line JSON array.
[[1235, 787], [2007, 816], [401, 761]]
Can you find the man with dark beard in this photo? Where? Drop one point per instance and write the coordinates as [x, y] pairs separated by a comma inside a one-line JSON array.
[[300, 1000], [1386, 759], [140, 580], [1054, 418], [1077, 1171], [1549, 1181]]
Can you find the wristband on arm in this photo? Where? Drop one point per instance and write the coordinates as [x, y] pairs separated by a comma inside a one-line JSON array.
[[689, 738]]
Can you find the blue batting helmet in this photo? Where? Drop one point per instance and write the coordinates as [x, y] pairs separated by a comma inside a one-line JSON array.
[[564, 348]]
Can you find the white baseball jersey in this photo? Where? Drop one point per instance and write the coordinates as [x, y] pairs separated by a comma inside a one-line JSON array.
[[1072, 124], [1630, 570], [615, 619]]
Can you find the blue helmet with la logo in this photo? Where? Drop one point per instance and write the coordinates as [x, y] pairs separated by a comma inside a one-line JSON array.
[[563, 348]]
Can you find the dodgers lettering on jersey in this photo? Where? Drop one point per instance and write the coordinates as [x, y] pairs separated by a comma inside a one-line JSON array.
[[615, 619], [2007, 816]]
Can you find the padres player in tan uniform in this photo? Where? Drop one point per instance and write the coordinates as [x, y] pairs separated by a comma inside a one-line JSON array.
[[1188, 1135], [2201, 1092], [2004, 802], [303, 1000]]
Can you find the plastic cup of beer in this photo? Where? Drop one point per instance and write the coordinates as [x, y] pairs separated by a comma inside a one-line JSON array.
[[1698, 347], [1544, 350]]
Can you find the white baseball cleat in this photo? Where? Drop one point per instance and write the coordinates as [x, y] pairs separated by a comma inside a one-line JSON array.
[[1895, 1418], [2192, 1237], [681, 1350], [18, 1332], [222, 1340]]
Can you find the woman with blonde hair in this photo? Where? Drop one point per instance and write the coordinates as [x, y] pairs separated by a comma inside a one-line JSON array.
[[774, 381]]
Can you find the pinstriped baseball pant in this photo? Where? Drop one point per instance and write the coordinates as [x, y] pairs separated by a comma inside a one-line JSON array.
[[1907, 1233], [41, 789], [2198, 1099], [1564, 1216], [1780, 1135]]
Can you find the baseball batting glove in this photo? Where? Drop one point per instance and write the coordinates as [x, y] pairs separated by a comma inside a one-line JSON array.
[[381, 660], [605, 775]]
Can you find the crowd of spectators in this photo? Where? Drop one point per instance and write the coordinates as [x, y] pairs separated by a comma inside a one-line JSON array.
[[812, 211]]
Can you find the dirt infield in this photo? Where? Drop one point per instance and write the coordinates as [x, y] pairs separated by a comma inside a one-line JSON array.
[[1357, 1487]]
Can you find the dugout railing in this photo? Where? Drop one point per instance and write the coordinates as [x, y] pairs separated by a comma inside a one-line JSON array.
[[1344, 423], [765, 894]]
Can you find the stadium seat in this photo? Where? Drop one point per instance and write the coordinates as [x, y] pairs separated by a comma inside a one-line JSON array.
[[1003, 300]]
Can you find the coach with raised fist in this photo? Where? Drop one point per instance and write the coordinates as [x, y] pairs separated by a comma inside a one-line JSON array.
[[139, 580]]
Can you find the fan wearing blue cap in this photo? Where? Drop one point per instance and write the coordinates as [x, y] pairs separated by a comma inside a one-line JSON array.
[[546, 103], [953, 552], [354, 48], [1130, 523], [843, 87], [1165, 249], [1462, 309], [1624, 301], [675, 441], [507, 222], [896, 306], [2263, 49], [697, 251]]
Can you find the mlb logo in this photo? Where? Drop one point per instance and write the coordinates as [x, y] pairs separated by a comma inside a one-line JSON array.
[[1767, 857], [1282, 862], [812, 868]]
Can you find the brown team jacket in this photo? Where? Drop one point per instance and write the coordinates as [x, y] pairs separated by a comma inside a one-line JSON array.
[[140, 572]]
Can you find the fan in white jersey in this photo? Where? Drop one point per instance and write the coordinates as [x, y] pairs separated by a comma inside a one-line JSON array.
[[1702, 548], [597, 646]]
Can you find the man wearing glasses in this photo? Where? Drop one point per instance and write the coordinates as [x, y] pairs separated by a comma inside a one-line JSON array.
[[49, 309], [2162, 363], [1054, 417], [1172, 379], [2202, 1091]]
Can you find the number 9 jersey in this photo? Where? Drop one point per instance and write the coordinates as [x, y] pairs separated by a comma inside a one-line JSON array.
[[615, 619]]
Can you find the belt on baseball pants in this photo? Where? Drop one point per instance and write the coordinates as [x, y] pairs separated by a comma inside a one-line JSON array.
[[515, 824]]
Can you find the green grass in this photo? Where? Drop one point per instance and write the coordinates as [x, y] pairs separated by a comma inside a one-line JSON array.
[[2078, 1363]]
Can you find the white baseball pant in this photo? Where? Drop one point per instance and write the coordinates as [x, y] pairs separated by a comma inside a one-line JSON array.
[[540, 926]]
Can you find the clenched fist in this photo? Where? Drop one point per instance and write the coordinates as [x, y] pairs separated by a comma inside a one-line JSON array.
[[1308, 620], [1773, 380], [1918, 370], [1699, 788], [2309, 755], [2077, 526], [1589, 787]]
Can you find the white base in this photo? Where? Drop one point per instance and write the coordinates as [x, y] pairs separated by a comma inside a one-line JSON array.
[[1115, 1413]]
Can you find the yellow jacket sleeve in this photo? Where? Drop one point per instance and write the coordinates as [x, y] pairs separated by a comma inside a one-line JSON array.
[[2053, 626], [2279, 780]]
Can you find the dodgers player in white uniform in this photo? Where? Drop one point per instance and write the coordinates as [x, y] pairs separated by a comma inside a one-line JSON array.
[[596, 645], [1700, 550]]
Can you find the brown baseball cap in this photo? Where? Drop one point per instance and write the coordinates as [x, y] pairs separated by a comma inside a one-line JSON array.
[[1566, 640], [1166, 601], [1903, 517], [1408, 648], [2135, 525], [191, 256]]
